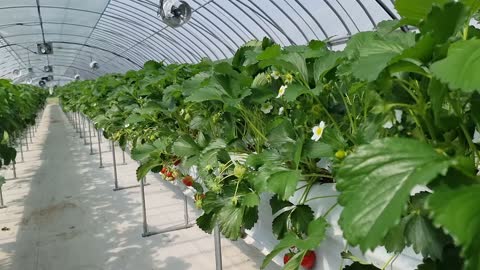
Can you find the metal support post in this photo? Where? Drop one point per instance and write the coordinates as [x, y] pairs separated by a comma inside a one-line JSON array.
[[84, 131], [21, 149], [114, 166], [2, 205], [144, 209], [123, 158], [90, 136], [26, 142], [94, 134], [30, 132], [117, 188], [100, 148], [14, 170], [77, 121], [80, 125], [218, 248]]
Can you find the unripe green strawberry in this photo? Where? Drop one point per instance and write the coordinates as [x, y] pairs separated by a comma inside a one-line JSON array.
[[239, 171]]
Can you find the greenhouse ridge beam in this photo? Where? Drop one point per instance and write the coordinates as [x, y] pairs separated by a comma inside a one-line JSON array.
[[41, 21]]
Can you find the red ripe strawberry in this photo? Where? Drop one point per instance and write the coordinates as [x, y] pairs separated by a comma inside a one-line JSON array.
[[164, 170], [188, 181], [287, 257], [177, 162], [309, 259], [169, 174]]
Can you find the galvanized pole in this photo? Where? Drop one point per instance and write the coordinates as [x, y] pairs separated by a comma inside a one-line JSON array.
[[14, 170], [100, 148], [84, 131], [114, 166], [144, 208], [21, 149], [90, 136], [26, 142], [2, 205], [218, 248]]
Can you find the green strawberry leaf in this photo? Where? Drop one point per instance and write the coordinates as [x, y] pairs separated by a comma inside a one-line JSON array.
[[440, 28], [185, 147], [424, 237], [231, 218], [206, 222], [146, 167], [284, 183], [414, 11], [457, 69], [457, 211], [142, 151], [375, 185]]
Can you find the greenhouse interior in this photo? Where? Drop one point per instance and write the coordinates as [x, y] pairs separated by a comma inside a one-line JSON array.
[[239, 134]]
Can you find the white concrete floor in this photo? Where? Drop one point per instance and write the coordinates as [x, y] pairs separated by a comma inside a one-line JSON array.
[[62, 213]]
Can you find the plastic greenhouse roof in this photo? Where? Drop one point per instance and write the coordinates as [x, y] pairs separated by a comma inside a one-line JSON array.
[[123, 34]]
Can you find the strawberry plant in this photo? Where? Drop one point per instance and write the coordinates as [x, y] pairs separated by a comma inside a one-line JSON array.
[[19, 105], [392, 112]]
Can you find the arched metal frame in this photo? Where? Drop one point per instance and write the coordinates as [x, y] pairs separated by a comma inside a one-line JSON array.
[[123, 34]]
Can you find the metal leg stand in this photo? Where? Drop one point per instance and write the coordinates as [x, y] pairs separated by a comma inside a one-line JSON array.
[[26, 142], [21, 150], [90, 136], [94, 134], [14, 170], [115, 176], [84, 131], [100, 148], [123, 158], [218, 248], [1, 199], [146, 232], [77, 121], [30, 132], [117, 188], [80, 126]]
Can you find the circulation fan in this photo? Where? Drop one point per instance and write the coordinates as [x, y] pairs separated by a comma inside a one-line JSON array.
[[174, 13], [94, 65]]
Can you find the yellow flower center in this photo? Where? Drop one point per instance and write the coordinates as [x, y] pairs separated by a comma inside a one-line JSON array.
[[318, 131]]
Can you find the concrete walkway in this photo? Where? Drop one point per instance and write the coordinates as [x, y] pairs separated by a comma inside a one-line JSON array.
[[62, 213]]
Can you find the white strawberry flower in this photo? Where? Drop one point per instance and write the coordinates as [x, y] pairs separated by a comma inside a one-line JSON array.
[[318, 131], [282, 90], [276, 75], [476, 136], [266, 108], [288, 79], [280, 111], [398, 115], [388, 124]]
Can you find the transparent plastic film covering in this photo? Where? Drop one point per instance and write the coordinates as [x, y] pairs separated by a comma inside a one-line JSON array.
[[121, 35]]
